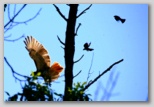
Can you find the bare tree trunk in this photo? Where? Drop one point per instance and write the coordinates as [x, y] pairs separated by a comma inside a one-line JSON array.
[[70, 48]]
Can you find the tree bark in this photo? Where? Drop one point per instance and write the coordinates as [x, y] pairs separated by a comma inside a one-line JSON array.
[[70, 49]]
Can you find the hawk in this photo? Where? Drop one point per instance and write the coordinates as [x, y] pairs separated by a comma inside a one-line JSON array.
[[42, 60], [117, 18], [86, 47]]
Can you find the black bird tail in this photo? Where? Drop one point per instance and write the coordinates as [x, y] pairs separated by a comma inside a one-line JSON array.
[[90, 49], [123, 20]]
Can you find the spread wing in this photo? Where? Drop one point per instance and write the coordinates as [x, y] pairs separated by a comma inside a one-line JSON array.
[[38, 53], [89, 44]]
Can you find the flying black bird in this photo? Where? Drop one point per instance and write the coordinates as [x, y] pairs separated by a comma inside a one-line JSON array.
[[86, 47], [117, 18]]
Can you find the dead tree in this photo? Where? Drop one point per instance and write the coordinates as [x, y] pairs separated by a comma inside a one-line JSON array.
[[69, 48]]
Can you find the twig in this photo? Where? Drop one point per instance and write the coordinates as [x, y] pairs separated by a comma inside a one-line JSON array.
[[108, 69], [30, 18], [8, 7], [10, 27], [77, 29], [62, 47], [14, 12], [90, 68], [110, 87], [113, 86], [14, 39], [60, 40], [58, 10], [15, 15], [84, 11], [79, 59], [77, 74], [14, 72], [15, 23], [8, 36]]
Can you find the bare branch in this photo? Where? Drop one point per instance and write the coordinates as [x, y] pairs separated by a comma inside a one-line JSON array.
[[14, 12], [79, 59], [13, 39], [77, 74], [77, 29], [60, 40], [58, 10], [29, 19], [9, 12], [108, 90], [62, 47], [84, 11], [15, 23], [8, 36], [15, 15], [10, 27], [90, 68], [108, 69], [14, 72]]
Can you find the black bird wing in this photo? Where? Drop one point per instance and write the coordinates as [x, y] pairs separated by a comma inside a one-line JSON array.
[[89, 44], [117, 18]]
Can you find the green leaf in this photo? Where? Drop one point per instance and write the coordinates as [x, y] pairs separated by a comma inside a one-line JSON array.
[[38, 74], [32, 74], [81, 92], [69, 90], [84, 83]]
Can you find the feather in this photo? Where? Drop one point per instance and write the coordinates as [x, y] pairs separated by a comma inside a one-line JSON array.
[[37, 52], [42, 60]]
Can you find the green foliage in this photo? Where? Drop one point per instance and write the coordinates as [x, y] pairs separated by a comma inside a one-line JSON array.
[[34, 91], [60, 97], [76, 93]]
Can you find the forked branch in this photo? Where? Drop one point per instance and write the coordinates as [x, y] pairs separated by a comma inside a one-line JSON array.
[[60, 13], [15, 15], [84, 11], [30, 19], [89, 73], [77, 74], [79, 59], [13, 40], [60, 40], [108, 69], [77, 29], [14, 72]]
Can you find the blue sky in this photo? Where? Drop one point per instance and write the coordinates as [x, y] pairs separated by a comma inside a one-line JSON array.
[[110, 39]]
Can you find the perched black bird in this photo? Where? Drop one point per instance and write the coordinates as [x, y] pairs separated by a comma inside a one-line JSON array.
[[86, 47], [117, 18]]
